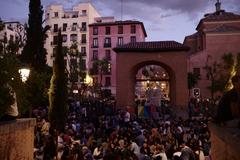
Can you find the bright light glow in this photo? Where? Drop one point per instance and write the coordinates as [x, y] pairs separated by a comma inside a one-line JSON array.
[[24, 73], [88, 80], [163, 85], [75, 91]]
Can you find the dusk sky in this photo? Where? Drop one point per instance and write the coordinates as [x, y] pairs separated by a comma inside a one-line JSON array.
[[163, 19]]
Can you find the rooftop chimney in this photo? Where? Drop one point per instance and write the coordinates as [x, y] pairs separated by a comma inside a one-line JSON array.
[[218, 6]]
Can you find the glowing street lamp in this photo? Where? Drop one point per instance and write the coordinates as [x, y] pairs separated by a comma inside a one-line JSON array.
[[24, 73]]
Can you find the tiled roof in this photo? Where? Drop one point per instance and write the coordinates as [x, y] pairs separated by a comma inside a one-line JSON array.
[[115, 23], [127, 22], [225, 28], [152, 46], [219, 16]]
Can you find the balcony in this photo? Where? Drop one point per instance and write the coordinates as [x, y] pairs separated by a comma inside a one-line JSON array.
[[83, 41], [107, 45], [83, 29], [83, 53], [94, 46], [83, 15]]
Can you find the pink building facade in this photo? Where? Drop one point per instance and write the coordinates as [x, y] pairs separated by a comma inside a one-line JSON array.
[[217, 33], [104, 35]]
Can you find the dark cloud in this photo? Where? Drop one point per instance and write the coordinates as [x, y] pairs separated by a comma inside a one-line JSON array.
[[159, 16]]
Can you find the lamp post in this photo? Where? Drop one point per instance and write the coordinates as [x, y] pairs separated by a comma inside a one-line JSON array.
[[24, 73]]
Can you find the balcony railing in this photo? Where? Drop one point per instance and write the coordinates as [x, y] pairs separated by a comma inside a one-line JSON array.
[[83, 53], [106, 45], [83, 29], [83, 41], [94, 46]]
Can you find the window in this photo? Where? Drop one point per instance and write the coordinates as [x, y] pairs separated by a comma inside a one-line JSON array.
[[83, 64], [84, 38], [107, 81], [133, 39], [95, 55], [196, 71], [55, 14], [55, 40], [95, 30], [64, 27], [84, 12], [54, 52], [74, 26], [83, 50], [95, 42], [107, 30], [133, 28], [84, 26], [107, 42], [55, 28], [73, 37], [108, 54], [120, 41], [120, 29], [64, 38]]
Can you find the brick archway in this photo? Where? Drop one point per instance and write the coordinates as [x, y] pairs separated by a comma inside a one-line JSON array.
[[131, 58]]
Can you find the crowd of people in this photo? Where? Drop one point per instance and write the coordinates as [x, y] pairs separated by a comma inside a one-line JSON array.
[[96, 131]]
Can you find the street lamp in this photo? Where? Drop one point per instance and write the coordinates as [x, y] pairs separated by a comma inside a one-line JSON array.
[[24, 73]]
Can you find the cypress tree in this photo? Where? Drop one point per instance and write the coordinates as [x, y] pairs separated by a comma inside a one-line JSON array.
[[58, 109], [34, 52]]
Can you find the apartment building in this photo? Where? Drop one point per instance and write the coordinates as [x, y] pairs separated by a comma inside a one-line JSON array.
[[74, 25], [13, 31], [104, 35]]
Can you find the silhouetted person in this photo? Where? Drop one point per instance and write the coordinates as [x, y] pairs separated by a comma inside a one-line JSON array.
[[229, 105]]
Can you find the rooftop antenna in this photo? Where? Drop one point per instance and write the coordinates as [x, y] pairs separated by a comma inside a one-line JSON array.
[[121, 9]]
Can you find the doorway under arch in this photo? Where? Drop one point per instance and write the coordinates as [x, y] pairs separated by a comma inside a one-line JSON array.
[[152, 83], [170, 55]]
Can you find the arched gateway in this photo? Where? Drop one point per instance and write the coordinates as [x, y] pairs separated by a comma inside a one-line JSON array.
[[170, 55]]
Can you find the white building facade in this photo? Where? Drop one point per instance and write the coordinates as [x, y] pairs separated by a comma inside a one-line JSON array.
[[74, 26], [15, 32]]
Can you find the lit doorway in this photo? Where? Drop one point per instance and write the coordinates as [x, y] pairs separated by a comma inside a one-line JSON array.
[[152, 84]]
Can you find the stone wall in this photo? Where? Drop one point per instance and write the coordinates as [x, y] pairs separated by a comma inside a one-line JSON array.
[[225, 143], [17, 139]]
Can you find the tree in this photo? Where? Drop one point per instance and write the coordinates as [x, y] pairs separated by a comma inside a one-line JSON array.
[[212, 73], [78, 68], [100, 67], [9, 81], [220, 73], [58, 109], [34, 53], [231, 66]]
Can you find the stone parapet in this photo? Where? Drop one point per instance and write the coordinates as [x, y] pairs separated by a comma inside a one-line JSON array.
[[225, 143], [17, 139]]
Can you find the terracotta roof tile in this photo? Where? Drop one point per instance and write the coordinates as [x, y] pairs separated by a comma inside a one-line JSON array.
[[153, 46], [221, 16]]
